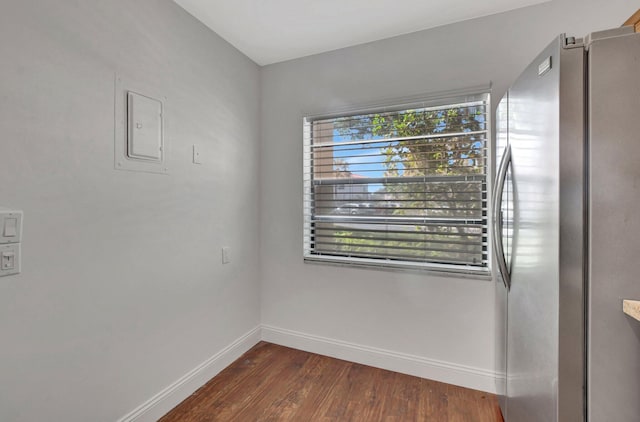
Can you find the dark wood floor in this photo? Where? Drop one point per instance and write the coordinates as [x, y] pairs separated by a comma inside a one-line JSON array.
[[275, 383]]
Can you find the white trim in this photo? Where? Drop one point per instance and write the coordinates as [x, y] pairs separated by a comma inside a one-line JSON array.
[[451, 373], [437, 270], [157, 406]]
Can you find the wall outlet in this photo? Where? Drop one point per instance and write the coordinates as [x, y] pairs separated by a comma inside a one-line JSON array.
[[9, 259], [196, 155], [226, 254]]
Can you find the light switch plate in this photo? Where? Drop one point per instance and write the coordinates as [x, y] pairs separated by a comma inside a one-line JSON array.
[[9, 259], [196, 155], [226, 255], [10, 226]]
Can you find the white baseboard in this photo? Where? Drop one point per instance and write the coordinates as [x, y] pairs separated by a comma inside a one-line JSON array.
[[451, 373], [157, 406]]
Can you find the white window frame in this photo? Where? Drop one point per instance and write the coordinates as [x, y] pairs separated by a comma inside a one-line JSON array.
[[309, 253]]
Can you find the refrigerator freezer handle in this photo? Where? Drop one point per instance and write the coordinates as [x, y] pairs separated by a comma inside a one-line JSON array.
[[497, 216]]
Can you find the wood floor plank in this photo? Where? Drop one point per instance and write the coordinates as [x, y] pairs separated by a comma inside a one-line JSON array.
[[276, 383], [268, 401], [318, 384]]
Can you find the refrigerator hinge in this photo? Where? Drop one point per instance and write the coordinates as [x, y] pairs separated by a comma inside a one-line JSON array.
[[571, 42]]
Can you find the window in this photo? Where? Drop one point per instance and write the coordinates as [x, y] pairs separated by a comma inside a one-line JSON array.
[[402, 186]]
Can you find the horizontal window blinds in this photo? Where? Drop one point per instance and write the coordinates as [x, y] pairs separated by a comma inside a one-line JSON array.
[[406, 187]]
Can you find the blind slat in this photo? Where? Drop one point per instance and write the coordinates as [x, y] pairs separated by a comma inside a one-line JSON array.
[[399, 257], [416, 108], [414, 242], [405, 180], [400, 138]]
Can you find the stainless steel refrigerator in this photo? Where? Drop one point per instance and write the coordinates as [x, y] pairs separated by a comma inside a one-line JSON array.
[[567, 233]]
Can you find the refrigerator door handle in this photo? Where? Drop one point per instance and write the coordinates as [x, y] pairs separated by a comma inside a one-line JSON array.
[[497, 216]]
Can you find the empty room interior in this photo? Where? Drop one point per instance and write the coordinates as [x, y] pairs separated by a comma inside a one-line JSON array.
[[183, 182]]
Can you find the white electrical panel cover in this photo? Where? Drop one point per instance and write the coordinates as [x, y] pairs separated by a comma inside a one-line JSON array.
[[144, 127], [140, 127]]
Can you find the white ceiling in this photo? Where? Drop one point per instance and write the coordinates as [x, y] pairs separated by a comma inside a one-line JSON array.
[[270, 31]]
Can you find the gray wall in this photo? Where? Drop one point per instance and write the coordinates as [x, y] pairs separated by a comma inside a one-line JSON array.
[[446, 319], [122, 290]]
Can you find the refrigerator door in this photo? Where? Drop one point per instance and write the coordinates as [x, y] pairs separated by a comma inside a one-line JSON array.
[[532, 340], [614, 160], [544, 369], [571, 290], [501, 291]]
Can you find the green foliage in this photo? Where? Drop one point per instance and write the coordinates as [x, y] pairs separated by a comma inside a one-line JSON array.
[[424, 153]]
